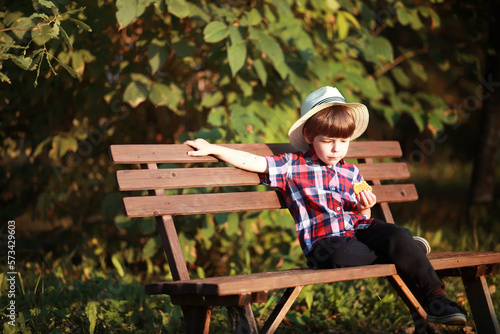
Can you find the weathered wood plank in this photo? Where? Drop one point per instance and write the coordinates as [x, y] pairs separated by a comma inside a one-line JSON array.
[[269, 280], [148, 206], [144, 179], [281, 279], [177, 153], [281, 309], [481, 304]]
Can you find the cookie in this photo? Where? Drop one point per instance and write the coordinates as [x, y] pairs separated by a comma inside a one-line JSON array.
[[359, 187]]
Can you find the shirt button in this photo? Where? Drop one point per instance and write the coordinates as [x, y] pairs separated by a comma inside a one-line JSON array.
[[338, 208]]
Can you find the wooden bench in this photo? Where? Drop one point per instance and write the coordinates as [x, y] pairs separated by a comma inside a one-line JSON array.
[[238, 292]]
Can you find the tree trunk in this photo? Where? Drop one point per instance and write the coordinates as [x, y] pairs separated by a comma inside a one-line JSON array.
[[483, 175]]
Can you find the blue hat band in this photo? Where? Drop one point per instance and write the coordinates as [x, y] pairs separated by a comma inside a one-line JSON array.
[[329, 100]]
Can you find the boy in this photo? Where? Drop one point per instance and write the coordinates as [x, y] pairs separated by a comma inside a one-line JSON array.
[[333, 222]]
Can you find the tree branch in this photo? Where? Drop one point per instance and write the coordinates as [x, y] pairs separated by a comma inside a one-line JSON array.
[[37, 27], [399, 60]]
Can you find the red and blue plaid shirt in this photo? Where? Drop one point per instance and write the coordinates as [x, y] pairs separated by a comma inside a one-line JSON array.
[[320, 198]]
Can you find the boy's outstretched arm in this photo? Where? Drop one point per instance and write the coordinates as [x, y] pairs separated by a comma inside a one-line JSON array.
[[237, 158]]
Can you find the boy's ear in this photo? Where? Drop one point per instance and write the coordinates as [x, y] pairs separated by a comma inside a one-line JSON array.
[[306, 138]]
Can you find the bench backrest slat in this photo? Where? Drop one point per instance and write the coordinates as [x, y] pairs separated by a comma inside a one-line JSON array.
[[176, 153], [173, 178], [144, 206]]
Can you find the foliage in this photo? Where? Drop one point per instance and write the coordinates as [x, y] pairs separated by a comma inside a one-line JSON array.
[[162, 71], [41, 34]]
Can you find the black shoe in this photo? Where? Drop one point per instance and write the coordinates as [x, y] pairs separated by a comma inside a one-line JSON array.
[[423, 244], [444, 311]]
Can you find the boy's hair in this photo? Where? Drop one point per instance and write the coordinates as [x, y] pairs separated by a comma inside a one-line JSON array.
[[335, 121]]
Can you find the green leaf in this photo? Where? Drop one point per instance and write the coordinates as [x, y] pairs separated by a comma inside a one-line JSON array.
[[217, 116], [39, 148], [21, 61], [235, 34], [128, 11], [135, 93], [148, 225], [47, 3], [342, 26], [41, 35], [179, 8], [77, 63], [91, 313], [434, 123], [150, 248], [157, 54], [418, 69], [39, 15], [382, 48], [116, 259], [272, 49], [81, 25], [233, 226], [4, 78], [385, 85], [70, 70], [403, 15], [112, 204], [258, 66], [251, 18], [401, 77], [123, 222], [215, 32], [188, 246], [163, 95], [184, 48], [212, 100], [245, 86], [236, 55], [65, 37], [61, 145]]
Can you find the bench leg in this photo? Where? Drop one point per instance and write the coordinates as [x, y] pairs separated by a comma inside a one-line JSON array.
[[418, 314], [281, 309], [197, 319], [242, 319], [481, 304]]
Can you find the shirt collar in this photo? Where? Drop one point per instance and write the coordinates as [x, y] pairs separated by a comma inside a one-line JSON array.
[[314, 159]]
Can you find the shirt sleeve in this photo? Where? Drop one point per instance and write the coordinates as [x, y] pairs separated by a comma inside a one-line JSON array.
[[278, 166]]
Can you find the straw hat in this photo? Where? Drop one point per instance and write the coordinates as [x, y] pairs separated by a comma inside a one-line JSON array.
[[320, 99]]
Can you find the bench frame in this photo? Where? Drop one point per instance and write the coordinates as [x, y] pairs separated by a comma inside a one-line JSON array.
[[196, 297]]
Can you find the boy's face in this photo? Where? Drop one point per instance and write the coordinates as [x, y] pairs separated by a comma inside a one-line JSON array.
[[329, 150]]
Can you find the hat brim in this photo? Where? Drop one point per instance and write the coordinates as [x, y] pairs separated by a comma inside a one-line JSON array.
[[358, 111]]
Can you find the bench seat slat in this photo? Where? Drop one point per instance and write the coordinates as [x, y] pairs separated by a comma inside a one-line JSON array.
[[281, 279], [147, 206], [176, 153], [173, 178]]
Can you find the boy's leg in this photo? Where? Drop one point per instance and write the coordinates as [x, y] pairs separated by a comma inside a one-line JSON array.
[[339, 252], [396, 245], [399, 247]]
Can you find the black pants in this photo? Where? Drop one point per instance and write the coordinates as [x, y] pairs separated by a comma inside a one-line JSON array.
[[381, 242]]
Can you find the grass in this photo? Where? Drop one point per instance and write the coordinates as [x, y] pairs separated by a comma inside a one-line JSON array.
[[91, 281]]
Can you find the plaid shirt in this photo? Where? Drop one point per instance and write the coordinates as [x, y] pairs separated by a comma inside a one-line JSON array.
[[321, 199]]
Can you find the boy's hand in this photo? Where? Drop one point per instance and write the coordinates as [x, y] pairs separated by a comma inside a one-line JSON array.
[[366, 200], [201, 146], [237, 158]]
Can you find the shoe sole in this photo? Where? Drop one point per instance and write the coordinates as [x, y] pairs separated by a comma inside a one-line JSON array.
[[452, 319], [425, 243]]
